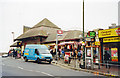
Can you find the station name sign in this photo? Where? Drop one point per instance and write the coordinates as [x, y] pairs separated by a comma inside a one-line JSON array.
[[112, 39], [59, 32], [109, 32]]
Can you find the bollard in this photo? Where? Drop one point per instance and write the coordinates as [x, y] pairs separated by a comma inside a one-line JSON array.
[[107, 67], [74, 62], [99, 65], [69, 60]]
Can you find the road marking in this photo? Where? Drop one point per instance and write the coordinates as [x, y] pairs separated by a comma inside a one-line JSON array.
[[30, 70], [37, 71], [20, 67], [46, 74]]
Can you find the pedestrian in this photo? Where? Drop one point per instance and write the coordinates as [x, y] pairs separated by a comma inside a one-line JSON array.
[[59, 53], [54, 53], [73, 53], [107, 59], [13, 52], [51, 51], [79, 57], [63, 53]]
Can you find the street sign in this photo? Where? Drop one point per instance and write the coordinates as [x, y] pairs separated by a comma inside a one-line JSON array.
[[59, 32]]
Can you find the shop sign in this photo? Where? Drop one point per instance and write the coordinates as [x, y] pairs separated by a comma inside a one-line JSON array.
[[109, 32], [83, 43], [114, 54], [97, 43], [87, 39], [112, 39], [91, 34]]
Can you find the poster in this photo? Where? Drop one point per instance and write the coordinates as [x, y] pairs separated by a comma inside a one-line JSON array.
[[88, 52], [114, 54]]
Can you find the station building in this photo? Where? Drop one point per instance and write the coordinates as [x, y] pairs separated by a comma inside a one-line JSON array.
[[45, 33]]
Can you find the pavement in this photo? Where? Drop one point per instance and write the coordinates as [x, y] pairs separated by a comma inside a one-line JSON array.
[[17, 67], [96, 71]]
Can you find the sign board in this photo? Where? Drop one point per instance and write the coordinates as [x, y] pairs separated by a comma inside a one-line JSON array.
[[109, 32], [88, 52], [114, 54], [97, 43], [83, 43], [87, 39], [111, 39], [59, 32], [91, 34]]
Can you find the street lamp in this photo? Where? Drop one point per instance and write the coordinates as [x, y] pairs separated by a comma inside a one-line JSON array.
[[83, 39], [13, 36]]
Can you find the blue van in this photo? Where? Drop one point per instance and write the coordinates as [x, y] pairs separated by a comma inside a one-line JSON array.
[[38, 53]]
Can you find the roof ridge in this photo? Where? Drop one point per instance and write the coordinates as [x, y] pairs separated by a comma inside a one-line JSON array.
[[46, 23]]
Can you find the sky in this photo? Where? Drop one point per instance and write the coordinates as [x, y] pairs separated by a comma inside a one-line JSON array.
[[66, 14]]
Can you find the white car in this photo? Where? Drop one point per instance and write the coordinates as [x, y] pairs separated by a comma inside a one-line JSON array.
[[5, 55]]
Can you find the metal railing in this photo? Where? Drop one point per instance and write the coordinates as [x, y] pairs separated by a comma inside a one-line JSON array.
[[109, 67]]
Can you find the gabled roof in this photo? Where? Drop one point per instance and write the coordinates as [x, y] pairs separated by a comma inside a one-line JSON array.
[[67, 35], [14, 45], [45, 22], [32, 33], [72, 34], [37, 30]]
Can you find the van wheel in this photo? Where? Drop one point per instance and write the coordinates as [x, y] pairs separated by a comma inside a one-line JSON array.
[[26, 60], [38, 61], [49, 62]]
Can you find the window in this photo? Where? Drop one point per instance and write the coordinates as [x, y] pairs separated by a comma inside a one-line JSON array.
[[36, 51]]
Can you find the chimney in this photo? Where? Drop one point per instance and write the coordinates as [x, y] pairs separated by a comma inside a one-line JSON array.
[[113, 25]]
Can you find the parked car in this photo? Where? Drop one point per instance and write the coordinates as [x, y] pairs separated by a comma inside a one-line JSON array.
[[5, 55], [38, 53]]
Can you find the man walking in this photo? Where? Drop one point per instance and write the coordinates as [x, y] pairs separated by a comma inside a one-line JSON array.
[[79, 57], [107, 58]]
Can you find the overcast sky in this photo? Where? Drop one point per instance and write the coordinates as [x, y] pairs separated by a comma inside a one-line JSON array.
[[66, 14]]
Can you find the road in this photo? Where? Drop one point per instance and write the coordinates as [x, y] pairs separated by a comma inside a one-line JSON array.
[[17, 67]]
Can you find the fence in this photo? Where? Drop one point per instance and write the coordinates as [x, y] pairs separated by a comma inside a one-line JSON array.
[[102, 66]]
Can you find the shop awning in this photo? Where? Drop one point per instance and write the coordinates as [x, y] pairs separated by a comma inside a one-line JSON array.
[[64, 43]]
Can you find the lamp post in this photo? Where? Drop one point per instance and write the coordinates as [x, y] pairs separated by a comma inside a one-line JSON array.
[[13, 36], [83, 39]]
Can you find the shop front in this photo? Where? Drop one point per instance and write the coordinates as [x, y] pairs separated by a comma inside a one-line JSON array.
[[68, 48], [92, 50], [110, 42]]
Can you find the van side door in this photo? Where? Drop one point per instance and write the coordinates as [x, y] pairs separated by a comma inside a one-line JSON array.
[[32, 54]]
